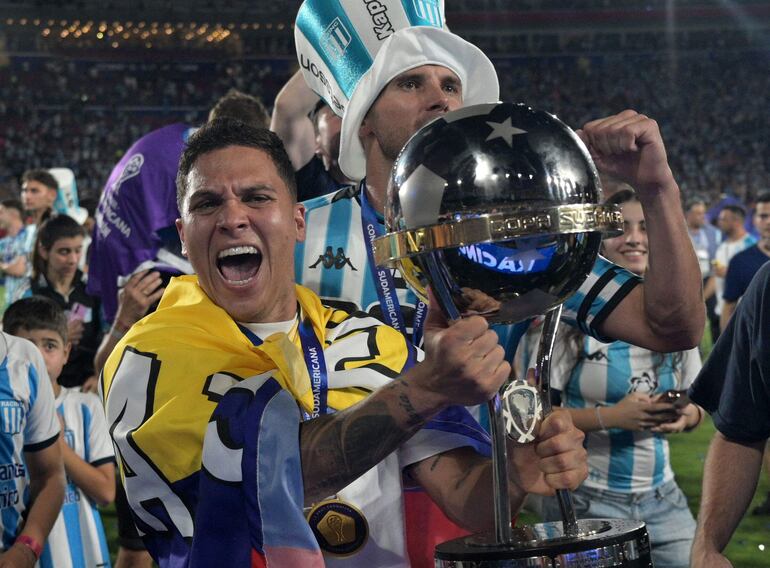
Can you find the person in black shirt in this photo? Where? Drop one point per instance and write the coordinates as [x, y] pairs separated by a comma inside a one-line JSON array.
[[55, 274]]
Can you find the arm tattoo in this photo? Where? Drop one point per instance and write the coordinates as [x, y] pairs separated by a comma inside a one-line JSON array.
[[338, 448]]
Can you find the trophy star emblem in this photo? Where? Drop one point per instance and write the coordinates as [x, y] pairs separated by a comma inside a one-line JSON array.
[[504, 130]]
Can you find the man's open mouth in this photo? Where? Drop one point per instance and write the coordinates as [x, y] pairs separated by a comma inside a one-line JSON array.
[[238, 265]]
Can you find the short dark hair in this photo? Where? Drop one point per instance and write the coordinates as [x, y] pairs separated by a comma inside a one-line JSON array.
[[13, 204], [223, 132], [763, 197], [735, 209], [42, 176], [243, 107], [33, 313], [55, 228]]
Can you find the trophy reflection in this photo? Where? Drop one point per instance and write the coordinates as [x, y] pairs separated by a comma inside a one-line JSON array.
[[496, 208]]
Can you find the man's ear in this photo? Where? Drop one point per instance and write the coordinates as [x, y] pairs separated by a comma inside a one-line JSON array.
[[365, 129], [67, 349], [299, 220], [180, 229]]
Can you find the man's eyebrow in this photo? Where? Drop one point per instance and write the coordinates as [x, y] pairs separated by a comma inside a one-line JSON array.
[[203, 193]]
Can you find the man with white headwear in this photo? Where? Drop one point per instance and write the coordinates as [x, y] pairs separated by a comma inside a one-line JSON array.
[[388, 69]]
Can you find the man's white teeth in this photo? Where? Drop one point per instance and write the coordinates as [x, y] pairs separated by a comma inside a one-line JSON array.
[[237, 250]]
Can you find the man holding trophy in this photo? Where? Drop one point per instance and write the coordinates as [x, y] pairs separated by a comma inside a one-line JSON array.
[[386, 88]]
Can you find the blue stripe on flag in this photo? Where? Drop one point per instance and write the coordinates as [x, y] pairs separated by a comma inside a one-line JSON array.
[[333, 36], [423, 13], [331, 279]]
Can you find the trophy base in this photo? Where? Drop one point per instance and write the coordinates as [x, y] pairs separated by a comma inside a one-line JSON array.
[[601, 543]]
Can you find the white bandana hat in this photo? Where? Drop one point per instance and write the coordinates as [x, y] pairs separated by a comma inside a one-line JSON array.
[[349, 50]]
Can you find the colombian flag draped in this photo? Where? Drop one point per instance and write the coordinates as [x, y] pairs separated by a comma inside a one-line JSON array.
[[167, 377]]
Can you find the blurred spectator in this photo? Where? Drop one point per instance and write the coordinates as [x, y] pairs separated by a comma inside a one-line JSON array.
[[731, 221], [745, 265], [15, 249], [55, 274], [705, 239]]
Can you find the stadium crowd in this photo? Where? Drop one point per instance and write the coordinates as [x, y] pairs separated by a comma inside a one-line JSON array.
[[714, 124]]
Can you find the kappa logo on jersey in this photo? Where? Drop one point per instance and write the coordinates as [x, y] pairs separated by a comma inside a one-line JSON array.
[[335, 40], [383, 28], [429, 10], [11, 416], [330, 260]]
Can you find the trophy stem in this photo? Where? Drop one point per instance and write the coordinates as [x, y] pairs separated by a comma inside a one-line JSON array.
[[543, 377], [503, 529]]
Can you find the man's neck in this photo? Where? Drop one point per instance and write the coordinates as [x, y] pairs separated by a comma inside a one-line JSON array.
[[378, 170], [764, 245], [736, 236], [56, 388], [37, 216]]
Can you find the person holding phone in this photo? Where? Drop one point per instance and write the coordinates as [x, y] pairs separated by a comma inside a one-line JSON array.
[[626, 399]]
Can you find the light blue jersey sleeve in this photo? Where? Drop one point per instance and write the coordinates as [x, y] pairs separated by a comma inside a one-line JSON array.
[[602, 291]]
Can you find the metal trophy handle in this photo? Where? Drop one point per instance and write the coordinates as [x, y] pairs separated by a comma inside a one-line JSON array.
[[543, 379]]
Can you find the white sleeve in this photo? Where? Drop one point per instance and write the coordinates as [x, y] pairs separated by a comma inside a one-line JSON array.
[[42, 424], [100, 448], [691, 366]]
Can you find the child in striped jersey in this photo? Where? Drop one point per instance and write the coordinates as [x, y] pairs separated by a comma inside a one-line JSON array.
[[614, 393], [77, 539]]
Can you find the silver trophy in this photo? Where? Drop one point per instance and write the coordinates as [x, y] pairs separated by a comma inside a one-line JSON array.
[[496, 208]]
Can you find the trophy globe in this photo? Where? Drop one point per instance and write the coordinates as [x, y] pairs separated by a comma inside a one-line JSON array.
[[497, 208]]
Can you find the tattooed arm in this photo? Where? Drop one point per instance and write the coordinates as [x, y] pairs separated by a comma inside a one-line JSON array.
[[460, 480], [463, 365]]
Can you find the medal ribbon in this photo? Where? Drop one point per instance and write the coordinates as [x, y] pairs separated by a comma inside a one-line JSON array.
[[315, 361], [384, 282]]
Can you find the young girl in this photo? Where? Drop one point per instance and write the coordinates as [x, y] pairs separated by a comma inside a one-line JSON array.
[[616, 395], [55, 274]]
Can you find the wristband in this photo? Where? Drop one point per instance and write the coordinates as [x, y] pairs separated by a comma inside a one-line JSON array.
[[599, 418], [31, 543], [118, 330]]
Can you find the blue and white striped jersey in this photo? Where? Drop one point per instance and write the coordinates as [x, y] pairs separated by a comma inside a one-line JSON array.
[[28, 422], [77, 538], [600, 374], [333, 262]]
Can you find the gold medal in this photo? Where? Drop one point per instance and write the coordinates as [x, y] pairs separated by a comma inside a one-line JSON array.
[[340, 528]]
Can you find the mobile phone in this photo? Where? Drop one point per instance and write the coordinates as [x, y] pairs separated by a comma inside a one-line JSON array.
[[678, 398]]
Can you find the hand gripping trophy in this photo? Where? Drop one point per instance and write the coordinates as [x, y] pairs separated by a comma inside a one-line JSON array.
[[496, 208]]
